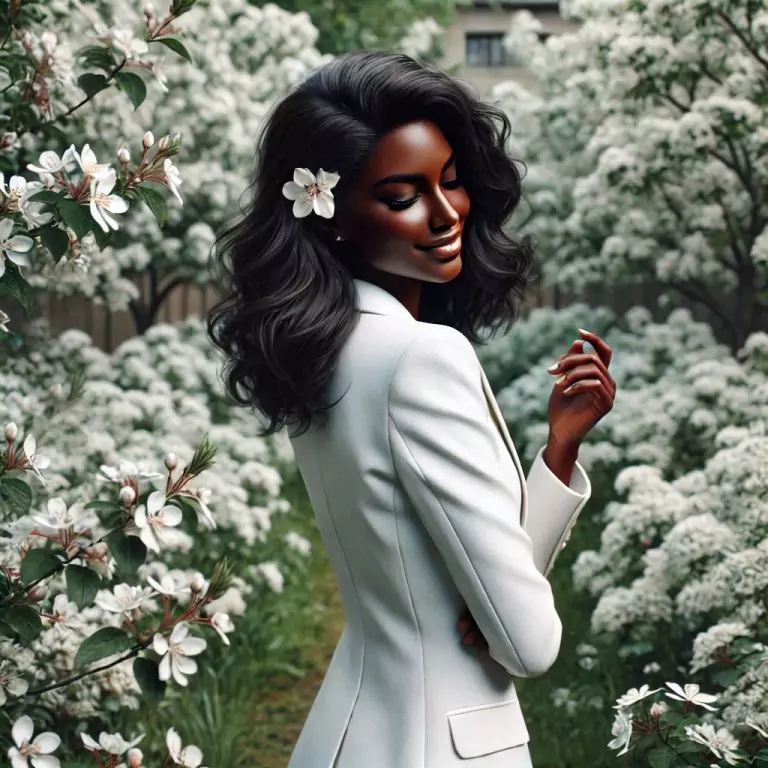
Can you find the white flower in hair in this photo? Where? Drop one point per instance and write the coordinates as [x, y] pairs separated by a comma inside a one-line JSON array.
[[311, 193]]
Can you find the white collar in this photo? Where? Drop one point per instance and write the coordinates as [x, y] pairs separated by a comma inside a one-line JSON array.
[[375, 300]]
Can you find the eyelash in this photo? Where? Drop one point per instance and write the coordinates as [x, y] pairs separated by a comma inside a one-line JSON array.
[[399, 205]]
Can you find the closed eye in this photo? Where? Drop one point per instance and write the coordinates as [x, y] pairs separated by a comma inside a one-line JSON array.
[[399, 205]]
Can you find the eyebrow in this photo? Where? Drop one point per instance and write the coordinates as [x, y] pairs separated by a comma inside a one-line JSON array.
[[410, 178]]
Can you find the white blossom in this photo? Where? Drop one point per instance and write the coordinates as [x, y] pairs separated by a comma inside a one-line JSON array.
[[311, 193], [222, 624], [175, 652], [188, 757], [58, 516], [691, 693], [153, 518], [720, 741], [34, 459], [103, 202], [123, 599], [36, 752], [14, 248]]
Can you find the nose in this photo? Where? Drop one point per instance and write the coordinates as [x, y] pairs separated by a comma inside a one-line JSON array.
[[442, 215]]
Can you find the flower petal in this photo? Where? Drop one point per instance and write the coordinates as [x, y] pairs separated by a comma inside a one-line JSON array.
[[155, 502], [192, 756], [194, 645], [171, 515], [302, 207], [19, 244], [6, 226], [89, 742], [292, 190], [47, 742], [45, 761], [323, 204], [22, 730], [164, 668], [173, 742], [327, 179], [304, 177]]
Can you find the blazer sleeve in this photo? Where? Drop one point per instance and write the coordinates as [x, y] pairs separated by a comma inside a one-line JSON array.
[[553, 509], [446, 460]]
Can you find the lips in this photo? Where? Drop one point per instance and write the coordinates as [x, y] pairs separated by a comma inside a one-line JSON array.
[[441, 242]]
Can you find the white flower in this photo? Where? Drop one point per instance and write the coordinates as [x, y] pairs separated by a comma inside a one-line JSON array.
[[88, 163], [50, 163], [59, 517], [633, 695], [103, 202], [13, 684], [691, 693], [123, 598], [763, 733], [222, 624], [201, 496], [148, 140], [189, 757], [621, 731], [15, 190], [114, 743], [720, 742], [34, 459], [298, 543], [271, 573], [658, 708], [311, 193], [172, 178], [175, 654], [152, 519], [37, 752], [63, 609], [11, 430], [14, 248], [126, 471], [166, 585], [33, 211], [4, 320], [127, 44]]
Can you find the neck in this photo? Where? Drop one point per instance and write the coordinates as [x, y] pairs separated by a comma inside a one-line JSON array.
[[407, 290]]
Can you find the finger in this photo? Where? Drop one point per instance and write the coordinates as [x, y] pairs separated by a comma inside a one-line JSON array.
[[569, 363], [594, 386], [603, 350], [470, 638], [589, 371]]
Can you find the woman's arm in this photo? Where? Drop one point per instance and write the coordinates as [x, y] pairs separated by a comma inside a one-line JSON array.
[[446, 459]]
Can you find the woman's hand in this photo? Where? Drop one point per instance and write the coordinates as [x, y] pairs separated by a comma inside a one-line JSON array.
[[583, 392], [470, 632]]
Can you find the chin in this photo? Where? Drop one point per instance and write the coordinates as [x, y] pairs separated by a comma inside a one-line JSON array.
[[445, 272]]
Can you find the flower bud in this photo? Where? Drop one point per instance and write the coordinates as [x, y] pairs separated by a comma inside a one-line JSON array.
[[171, 461], [149, 9], [134, 756], [11, 430], [123, 155], [127, 495], [197, 584], [164, 143], [148, 140], [658, 709]]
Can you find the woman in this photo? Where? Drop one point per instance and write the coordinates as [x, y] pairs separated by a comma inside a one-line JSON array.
[[371, 255]]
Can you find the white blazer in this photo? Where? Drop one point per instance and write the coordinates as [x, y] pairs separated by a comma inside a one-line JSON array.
[[422, 503]]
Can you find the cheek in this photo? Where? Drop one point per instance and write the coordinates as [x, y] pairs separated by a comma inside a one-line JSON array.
[[407, 225]]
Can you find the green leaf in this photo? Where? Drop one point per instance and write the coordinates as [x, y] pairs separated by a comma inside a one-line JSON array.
[[75, 216], [129, 552], [726, 677], [13, 284], [17, 493], [56, 240], [92, 83], [24, 621], [38, 564], [147, 676], [154, 201], [98, 56], [133, 86], [104, 504], [102, 643], [173, 42], [661, 757], [82, 585], [45, 196]]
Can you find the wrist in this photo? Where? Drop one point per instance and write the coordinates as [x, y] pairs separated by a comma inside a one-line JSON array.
[[560, 458]]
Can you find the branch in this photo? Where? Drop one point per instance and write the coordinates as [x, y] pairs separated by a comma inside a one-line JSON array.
[[747, 44], [52, 686]]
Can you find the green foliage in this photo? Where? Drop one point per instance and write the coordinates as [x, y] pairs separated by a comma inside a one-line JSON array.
[[82, 585], [102, 643], [174, 43], [129, 552], [38, 564], [23, 622], [350, 25], [15, 493]]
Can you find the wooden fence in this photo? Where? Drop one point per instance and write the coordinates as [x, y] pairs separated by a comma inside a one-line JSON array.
[[109, 329]]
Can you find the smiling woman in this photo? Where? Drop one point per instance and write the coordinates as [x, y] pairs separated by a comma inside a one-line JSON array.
[[371, 256], [421, 163]]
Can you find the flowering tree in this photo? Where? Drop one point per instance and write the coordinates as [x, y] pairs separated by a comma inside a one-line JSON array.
[[646, 144]]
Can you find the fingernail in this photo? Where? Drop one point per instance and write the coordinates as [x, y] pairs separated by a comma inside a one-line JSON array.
[[581, 330], [553, 368], [560, 379]]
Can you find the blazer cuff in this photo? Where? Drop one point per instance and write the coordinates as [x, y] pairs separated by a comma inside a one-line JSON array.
[[553, 508]]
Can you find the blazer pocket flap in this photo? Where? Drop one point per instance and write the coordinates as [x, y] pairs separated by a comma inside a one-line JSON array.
[[489, 728]]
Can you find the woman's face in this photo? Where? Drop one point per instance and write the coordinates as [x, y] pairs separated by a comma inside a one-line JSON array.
[[407, 201]]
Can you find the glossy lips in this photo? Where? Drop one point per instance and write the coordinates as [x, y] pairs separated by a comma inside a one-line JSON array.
[[444, 249]]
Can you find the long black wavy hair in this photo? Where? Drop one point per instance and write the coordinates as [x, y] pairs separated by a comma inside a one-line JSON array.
[[290, 302]]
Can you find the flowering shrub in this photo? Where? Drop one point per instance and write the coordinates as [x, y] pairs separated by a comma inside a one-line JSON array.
[[154, 394], [645, 139]]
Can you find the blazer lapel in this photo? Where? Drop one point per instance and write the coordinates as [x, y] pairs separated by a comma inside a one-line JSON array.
[[493, 406]]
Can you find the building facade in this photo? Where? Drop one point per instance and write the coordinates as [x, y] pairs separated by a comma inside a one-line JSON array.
[[473, 47]]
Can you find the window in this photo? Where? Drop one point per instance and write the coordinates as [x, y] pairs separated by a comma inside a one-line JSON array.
[[485, 49]]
